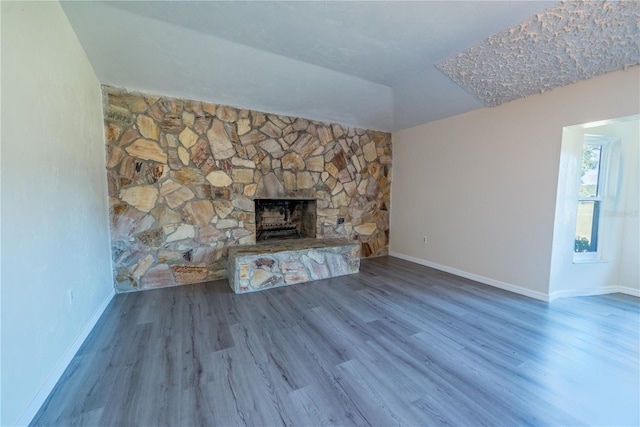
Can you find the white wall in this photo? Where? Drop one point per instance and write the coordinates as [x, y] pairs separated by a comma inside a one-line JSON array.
[[629, 263], [482, 185], [54, 216], [617, 270]]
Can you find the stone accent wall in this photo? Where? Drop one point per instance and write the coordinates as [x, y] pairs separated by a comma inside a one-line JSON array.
[[183, 174]]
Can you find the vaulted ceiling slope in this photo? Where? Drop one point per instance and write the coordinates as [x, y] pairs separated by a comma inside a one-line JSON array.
[[363, 64]]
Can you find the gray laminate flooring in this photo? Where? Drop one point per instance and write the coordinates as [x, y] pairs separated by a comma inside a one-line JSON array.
[[396, 344]]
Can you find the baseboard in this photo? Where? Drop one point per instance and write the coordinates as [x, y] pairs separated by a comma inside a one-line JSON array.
[[54, 377], [628, 291], [594, 291], [485, 280]]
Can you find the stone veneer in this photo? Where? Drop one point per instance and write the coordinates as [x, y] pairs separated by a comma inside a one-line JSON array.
[[290, 262], [182, 176]]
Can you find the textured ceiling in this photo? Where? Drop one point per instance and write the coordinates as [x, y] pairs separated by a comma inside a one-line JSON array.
[[570, 42], [362, 64]]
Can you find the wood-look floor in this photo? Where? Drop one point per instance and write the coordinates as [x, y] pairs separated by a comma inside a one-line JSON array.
[[396, 344]]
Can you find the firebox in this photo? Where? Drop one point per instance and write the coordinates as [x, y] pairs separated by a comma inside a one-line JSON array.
[[285, 218]]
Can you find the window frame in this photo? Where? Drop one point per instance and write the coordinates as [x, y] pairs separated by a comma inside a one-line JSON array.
[[603, 167]]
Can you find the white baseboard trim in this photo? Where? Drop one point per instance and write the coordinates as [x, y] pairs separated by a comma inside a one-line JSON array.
[[485, 280], [56, 374], [594, 291], [628, 291]]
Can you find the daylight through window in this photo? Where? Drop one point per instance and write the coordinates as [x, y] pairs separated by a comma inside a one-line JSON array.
[[589, 197]]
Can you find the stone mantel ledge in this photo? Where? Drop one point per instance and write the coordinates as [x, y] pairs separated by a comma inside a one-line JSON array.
[[288, 262]]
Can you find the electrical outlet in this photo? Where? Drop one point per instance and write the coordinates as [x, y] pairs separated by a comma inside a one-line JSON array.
[[424, 239]]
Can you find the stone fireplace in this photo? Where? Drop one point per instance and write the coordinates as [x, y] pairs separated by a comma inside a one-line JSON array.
[[285, 219], [184, 178]]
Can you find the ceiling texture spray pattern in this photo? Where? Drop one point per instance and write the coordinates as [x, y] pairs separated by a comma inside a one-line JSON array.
[[572, 41]]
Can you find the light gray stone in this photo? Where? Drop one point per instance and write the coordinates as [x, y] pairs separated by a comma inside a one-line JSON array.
[[243, 203], [221, 146], [219, 179], [294, 272], [210, 234], [272, 147], [179, 197], [147, 150], [223, 207], [242, 176], [175, 232], [226, 223], [270, 187], [143, 197], [237, 161], [316, 269], [158, 276], [315, 164], [262, 279], [188, 138]]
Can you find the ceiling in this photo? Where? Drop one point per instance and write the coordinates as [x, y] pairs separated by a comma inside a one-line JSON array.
[[363, 64]]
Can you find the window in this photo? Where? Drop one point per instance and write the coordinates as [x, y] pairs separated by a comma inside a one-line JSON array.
[[590, 195]]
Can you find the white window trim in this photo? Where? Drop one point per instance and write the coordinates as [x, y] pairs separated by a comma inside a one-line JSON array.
[[603, 176]]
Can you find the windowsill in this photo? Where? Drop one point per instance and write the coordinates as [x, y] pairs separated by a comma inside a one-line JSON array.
[[590, 261]]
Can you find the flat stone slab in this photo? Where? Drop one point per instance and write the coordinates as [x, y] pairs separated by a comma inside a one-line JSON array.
[[289, 262]]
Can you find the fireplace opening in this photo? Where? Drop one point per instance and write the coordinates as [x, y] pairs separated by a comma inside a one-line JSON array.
[[285, 218]]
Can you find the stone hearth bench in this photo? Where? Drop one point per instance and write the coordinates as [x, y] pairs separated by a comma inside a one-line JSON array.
[[289, 262]]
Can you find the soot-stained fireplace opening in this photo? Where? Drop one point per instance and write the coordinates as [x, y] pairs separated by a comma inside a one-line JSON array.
[[285, 218]]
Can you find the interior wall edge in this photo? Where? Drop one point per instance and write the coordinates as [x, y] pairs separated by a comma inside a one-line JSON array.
[[63, 363], [475, 277], [601, 290], [567, 293]]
